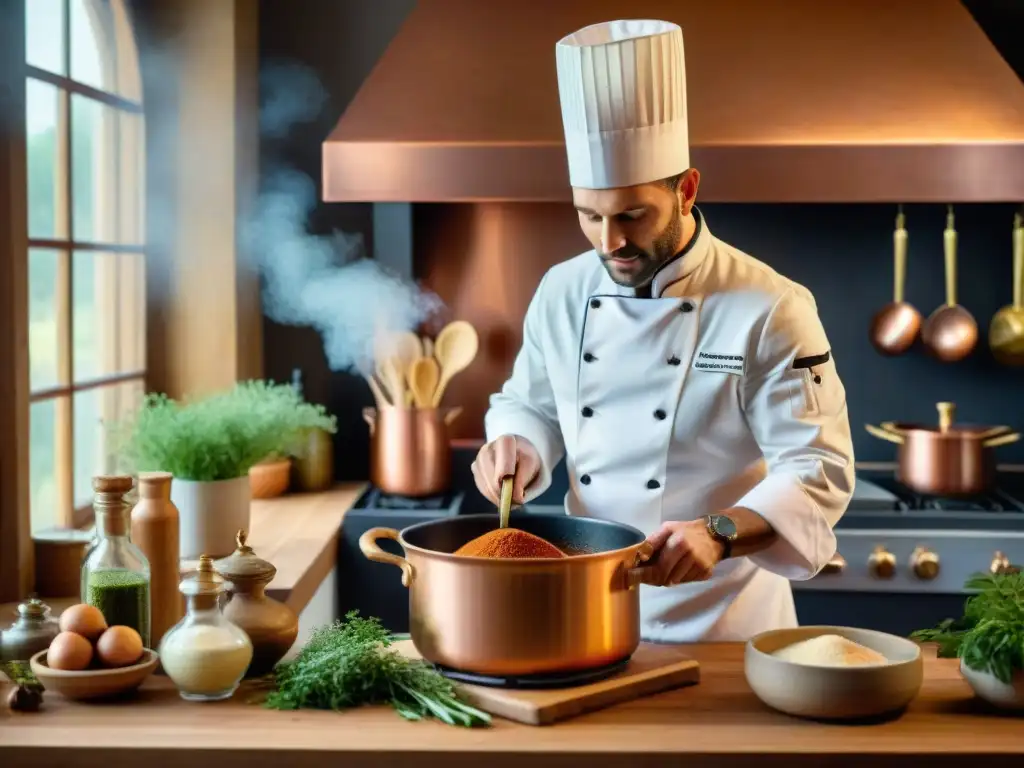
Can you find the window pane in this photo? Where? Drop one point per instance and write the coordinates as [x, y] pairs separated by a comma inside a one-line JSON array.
[[93, 192], [109, 313], [43, 319], [131, 317], [92, 44], [131, 179], [46, 167], [44, 35], [97, 411], [42, 465], [94, 327]]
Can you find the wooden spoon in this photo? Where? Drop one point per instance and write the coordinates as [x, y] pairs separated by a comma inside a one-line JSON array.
[[423, 377], [505, 508], [895, 327], [395, 381], [455, 348], [950, 332], [1006, 333]]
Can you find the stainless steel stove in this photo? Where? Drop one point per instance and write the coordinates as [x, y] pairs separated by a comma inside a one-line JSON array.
[[903, 558]]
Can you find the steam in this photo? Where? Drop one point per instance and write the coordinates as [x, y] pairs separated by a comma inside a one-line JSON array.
[[322, 281]]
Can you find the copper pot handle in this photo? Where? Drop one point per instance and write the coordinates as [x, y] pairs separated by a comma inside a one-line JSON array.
[[368, 546], [635, 575], [452, 415], [995, 431], [994, 442], [882, 434]]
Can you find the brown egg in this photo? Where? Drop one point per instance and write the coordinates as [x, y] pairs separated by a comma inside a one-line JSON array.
[[85, 620], [119, 646], [69, 651]]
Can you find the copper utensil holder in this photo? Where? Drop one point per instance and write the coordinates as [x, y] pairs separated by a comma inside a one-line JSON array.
[[410, 454]]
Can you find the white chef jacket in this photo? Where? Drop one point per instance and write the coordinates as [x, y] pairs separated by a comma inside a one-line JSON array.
[[719, 391]]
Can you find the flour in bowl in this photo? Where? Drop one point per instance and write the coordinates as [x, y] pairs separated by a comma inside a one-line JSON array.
[[830, 651]]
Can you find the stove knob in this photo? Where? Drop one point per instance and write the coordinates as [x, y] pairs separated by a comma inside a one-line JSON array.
[[1001, 564], [837, 564], [924, 563], [882, 563]]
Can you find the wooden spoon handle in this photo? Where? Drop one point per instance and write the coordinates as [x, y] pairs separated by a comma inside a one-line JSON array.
[[506, 501], [949, 243], [899, 247]]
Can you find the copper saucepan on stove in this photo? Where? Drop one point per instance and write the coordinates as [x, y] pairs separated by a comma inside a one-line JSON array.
[[505, 617], [947, 459]]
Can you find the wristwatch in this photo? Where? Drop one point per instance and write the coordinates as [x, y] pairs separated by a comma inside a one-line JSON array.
[[722, 530]]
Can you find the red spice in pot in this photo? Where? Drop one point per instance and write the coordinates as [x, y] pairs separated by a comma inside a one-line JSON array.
[[509, 543]]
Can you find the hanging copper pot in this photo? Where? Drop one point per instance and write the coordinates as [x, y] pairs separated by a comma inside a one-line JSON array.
[[946, 459]]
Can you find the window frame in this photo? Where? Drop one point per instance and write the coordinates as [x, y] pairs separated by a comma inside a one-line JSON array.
[[120, 64]]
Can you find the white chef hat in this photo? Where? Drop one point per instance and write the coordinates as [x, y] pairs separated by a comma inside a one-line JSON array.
[[622, 85]]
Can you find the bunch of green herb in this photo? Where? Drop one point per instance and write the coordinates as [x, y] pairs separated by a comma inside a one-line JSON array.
[[221, 436], [349, 663], [27, 695], [989, 637]]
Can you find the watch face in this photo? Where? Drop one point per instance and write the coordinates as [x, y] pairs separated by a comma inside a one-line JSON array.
[[724, 527]]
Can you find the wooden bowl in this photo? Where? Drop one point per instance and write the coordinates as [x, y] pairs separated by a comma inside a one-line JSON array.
[[834, 693], [270, 479], [93, 683]]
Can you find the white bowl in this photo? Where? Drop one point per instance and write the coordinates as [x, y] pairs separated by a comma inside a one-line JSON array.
[[993, 690], [834, 693]]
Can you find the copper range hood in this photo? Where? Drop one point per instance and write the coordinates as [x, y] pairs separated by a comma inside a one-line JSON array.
[[790, 101]]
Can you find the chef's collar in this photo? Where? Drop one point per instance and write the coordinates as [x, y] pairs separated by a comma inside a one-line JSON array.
[[687, 260]]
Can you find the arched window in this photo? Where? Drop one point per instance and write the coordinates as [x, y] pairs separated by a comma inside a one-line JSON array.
[[86, 260]]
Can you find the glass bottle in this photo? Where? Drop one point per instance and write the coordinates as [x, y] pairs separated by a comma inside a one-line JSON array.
[[115, 573], [204, 654]]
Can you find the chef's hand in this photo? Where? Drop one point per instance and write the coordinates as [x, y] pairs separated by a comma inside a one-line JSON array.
[[507, 455], [684, 551]]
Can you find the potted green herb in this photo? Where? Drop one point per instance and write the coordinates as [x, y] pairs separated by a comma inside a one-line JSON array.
[[209, 444], [988, 639]]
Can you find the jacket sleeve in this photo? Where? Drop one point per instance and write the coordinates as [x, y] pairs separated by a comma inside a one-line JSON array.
[[525, 407], [795, 406]]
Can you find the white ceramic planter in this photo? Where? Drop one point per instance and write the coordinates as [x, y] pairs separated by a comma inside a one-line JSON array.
[[210, 514], [993, 690]]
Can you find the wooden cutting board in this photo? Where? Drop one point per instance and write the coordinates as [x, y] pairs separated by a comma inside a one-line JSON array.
[[654, 668]]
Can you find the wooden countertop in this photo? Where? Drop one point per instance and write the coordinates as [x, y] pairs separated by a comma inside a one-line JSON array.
[[298, 533], [716, 723]]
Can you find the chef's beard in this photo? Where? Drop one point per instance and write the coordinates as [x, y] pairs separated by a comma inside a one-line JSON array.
[[662, 251]]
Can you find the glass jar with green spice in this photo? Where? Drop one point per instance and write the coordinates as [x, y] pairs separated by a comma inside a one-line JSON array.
[[115, 573]]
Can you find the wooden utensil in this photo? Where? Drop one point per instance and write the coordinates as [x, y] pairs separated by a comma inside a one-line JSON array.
[[406, 348], [950, 333], [653, 668], [455, 348], [378, 394], [428, 346], [505, 508], [423, 377], [394, 379], [895, 327], [1006, 332]]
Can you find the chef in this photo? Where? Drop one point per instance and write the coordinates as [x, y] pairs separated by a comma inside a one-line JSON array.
[[690, 387]]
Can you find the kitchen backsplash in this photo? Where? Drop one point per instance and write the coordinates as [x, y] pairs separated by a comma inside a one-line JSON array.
[[842, 253]]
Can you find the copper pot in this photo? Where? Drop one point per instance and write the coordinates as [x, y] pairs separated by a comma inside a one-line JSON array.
[[410, 453], [945, 460], [504, 617]]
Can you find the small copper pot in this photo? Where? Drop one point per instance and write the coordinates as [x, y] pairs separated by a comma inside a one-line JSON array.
[[410, 453], [945, 460], [524, 616]]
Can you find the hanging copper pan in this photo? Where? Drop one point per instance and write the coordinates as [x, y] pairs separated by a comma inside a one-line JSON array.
[[947, 459]]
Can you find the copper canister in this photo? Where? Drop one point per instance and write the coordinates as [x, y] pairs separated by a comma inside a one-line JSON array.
[[410, 453]]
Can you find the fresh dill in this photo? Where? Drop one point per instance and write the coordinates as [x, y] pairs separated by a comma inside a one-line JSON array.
[[989, 637], [349, 663]]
